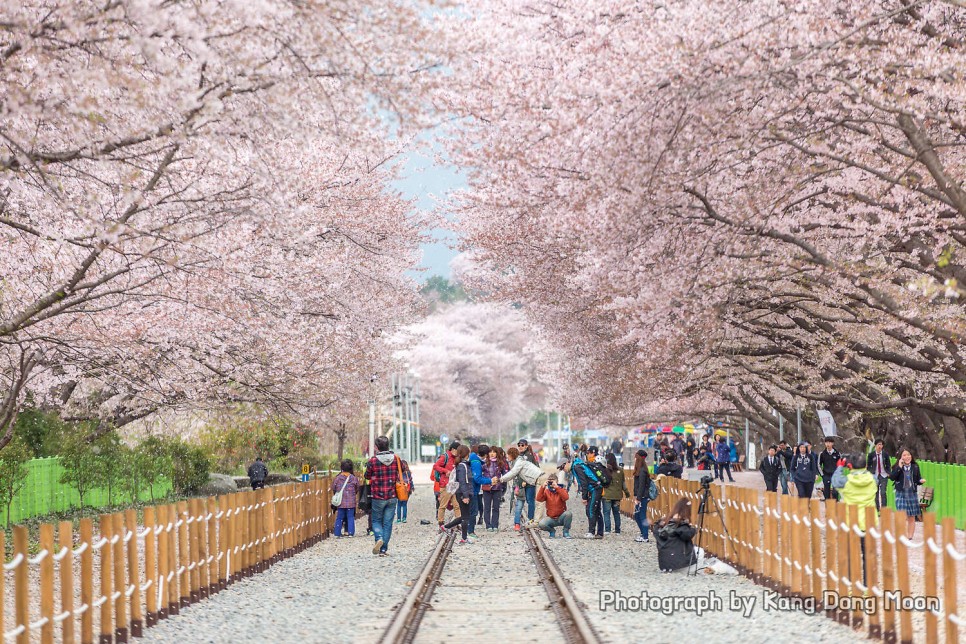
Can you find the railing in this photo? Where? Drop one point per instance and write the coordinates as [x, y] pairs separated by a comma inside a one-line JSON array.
[[816, 554], [184, 553]]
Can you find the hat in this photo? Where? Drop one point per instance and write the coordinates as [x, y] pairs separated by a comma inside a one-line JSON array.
[[593, 450], [561, 463], [522, 441]]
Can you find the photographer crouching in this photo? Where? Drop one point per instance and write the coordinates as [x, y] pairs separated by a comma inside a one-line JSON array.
[[558, 516], [675, 533]]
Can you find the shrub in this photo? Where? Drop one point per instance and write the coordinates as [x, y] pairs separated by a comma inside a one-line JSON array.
[[13, 472], [81, 466], [190, 466]]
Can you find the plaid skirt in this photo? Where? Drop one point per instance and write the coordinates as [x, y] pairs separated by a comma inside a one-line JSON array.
[[908, 501]]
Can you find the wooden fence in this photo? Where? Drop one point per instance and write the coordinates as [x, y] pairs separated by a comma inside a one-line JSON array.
[[815, 554], [183, 553]]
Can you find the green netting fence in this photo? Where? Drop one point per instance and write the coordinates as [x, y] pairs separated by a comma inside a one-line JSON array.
[[949, 490], [43, 492]]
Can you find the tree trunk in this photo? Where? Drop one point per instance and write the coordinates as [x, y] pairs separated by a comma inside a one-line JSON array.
[[955, 439]]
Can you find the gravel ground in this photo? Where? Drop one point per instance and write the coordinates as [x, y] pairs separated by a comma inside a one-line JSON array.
[[617, 563], [333, 591]]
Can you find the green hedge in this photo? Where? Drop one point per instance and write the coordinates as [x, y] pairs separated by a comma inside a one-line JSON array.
[[948, 481], [44, 494]]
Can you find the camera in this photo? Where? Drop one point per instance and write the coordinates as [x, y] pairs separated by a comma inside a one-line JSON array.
[[706, 482]]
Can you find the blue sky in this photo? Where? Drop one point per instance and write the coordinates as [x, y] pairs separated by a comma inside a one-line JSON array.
[[428, 182]]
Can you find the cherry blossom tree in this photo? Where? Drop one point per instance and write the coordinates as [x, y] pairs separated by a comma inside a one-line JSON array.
[[726, 208], [194, 202]]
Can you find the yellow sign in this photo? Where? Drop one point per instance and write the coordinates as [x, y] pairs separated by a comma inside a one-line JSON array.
[[305, 469]]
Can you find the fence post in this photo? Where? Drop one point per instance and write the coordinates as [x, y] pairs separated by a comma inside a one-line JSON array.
[[47, 584], [902, 567], [871, 562], [932, 572], [856, 570], [107, 571], [222, 559], [842, 555], [134, 572], [87, 581], [21, 580], [150, 571], [817, 535], [950, 590], [184, 555], [120, 587], [888, 543], [161, 512], [211, 524], [194, 561]]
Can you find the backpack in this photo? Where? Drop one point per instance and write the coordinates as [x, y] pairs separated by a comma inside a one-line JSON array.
[[453, 486], [652, 491], [434, 475], [603, 474]]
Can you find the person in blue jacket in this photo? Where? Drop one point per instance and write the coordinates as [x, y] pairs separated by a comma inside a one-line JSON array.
[[476, 467], [723, 458], [804, 469]]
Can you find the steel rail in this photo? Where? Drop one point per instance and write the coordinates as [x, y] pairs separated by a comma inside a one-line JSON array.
[[573, 622], [405, 621]]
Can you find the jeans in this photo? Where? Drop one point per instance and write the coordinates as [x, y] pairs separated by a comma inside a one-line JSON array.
[[402, 510], [474, 511], [479, 507], [783, 479], [383, 511], [347, 515], [531, 493], [595, 522], [563, 521], [518, 511], [612, 507], [881, 500], [722, 468], [465, 519], [640, 517], [491, 508]]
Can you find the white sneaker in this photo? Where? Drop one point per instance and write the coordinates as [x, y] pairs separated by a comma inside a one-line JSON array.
[[588, 536], [640, 539]]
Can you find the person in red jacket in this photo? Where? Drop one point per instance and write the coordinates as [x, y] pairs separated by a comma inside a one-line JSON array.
[[442, 469], [558, 516]]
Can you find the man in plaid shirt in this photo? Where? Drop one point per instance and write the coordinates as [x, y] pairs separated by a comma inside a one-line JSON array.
[[382, 474]]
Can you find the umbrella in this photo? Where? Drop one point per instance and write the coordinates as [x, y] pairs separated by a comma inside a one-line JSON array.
[[678, 429]]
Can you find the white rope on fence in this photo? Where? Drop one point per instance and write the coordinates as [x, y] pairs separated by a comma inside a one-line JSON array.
[[954, 618], [98, 602], [876, 591], [14, 562], [17, 631], [958, 556], [62, 553], [908, 543], [61, 617], [130, 590], [147, 584], [860, 533], [888, 536], [40, 557], [127, 535], [40, 622], [80, 610], [100, 543]]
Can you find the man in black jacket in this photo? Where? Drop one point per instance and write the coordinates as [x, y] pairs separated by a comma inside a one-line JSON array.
[[257, 473], [669, 465], [827, 462], [880, 465], [785, 455], [690, 449], [770, 468]]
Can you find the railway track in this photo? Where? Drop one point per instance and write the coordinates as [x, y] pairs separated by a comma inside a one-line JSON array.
[[486, 588]]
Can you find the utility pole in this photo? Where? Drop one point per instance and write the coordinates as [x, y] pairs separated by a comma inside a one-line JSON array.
[[404, 391], [372, 427], [395, 405], [419, 429], [559, 436], [781, 426], [547, 433], [798, 419]]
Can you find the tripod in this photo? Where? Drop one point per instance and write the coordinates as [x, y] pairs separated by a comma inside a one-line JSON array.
[[703, 510]]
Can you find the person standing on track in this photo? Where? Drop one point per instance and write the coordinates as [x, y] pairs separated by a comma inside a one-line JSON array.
[[476, 502], [442, 470], [463, 493], [382, 474], [613, 493], [493, 494], [529, 474], [592, 479]]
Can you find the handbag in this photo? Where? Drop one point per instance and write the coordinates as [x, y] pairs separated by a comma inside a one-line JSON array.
[[402, 488], [453, 486], [337, 497], [365, 499]]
